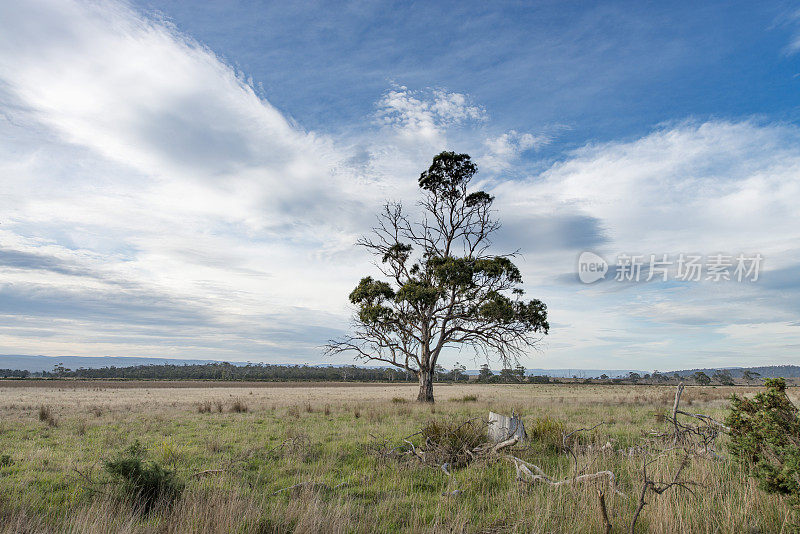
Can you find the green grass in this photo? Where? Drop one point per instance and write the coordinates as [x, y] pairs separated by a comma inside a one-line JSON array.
[[279, 442]]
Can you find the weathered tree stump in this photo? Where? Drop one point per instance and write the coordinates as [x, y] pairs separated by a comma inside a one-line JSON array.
[[502, 427]]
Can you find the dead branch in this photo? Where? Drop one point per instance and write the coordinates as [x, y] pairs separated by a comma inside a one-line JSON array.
[[678, 393], [700, 438], [524, 474], [604, 512], [507, 443], [658, 488], [567, 448], [706, 419], [91, 483]]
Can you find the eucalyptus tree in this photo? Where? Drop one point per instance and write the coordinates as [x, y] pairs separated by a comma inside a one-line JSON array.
[[441, 286]]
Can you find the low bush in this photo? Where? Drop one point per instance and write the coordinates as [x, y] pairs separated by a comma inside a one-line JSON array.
[[145, 482], [5, 460], [46, 415], [450, 441], [765, 437], [239, 406]]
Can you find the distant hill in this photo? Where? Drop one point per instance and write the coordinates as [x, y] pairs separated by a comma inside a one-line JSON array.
[[569, 373], [769, 371]]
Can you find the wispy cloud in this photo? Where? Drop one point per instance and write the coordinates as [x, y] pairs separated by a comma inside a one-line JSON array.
[[503, 150]]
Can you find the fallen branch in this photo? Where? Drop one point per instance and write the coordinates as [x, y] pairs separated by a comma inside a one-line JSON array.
[[507, 443], [524, 474], [706, 419]]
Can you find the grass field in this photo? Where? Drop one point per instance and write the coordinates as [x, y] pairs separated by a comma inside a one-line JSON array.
[[234, 462]]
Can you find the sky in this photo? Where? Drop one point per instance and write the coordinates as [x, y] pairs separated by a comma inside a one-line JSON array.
[[188, 179]]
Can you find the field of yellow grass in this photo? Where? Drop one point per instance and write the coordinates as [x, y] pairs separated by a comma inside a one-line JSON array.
[[238, 446]]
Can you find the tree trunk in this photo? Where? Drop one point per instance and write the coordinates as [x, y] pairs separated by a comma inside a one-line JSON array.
[[425, 386]]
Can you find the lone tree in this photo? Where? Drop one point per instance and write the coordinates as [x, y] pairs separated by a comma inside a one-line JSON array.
[[702, 378], [443, 287]]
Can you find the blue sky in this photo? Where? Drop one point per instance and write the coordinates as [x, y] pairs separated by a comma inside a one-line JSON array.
[[600, 70], [184, 179]]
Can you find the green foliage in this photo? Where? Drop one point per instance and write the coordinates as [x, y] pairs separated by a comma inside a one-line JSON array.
[[5, 460], [701, 378], [765, 436], [14, 373], [147, 483], [369, 295], [447, 175], [723, 376], [418, 294], [485, 373]]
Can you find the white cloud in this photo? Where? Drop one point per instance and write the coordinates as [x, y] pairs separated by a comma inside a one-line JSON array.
[[691, 187], [135, 157], [425, 114]]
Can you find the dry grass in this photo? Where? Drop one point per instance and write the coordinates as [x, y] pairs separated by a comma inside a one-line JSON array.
[[278, 442]]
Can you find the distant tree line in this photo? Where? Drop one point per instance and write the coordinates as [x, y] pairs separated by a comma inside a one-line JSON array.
[[14, 373], [259, 371]]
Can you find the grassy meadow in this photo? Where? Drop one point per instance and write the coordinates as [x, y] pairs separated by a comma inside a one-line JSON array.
[[237, 447]]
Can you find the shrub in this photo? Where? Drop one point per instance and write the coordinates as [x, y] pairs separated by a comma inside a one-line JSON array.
[[46, 415], [239, 406], [765, 437], [5, 460], [204, 407], [449, 441], [399, 400], [147, 483]]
